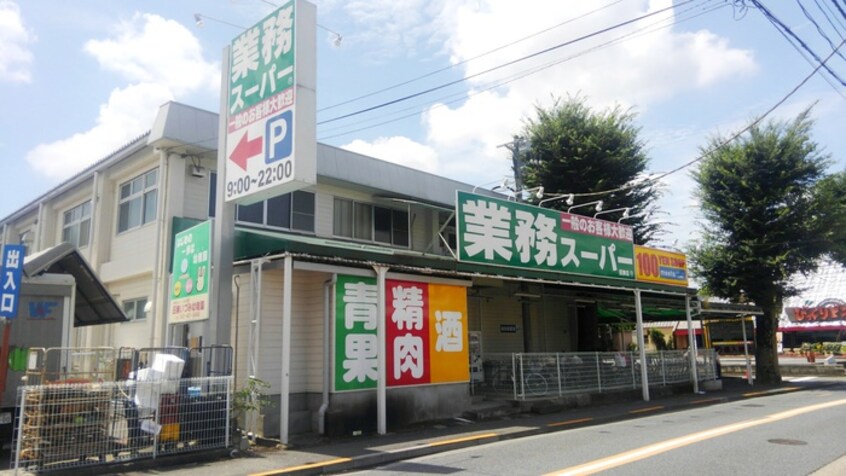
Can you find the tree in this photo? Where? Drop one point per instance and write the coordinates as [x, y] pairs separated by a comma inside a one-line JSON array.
[[832, 195], [764, 199], [576, 150]]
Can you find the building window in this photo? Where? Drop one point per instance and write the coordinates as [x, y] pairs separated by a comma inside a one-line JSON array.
[[289, 211], [366, 222], [446, 223], [138, 199], [134, 309], [76, 225], [212, 193]]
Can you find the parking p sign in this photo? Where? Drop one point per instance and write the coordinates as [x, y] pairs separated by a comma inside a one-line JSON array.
[[270, 139]]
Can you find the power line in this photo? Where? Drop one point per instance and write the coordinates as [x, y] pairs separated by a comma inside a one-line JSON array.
[[455, 65], [779, 24], [730, 139], [496, 84], [509, 63], [827, 17], [817, 25]]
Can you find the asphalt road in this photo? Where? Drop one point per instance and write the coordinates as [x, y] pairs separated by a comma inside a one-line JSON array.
[[796, 433]]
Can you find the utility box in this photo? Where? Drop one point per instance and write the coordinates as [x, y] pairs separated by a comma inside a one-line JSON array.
[[59, 291]]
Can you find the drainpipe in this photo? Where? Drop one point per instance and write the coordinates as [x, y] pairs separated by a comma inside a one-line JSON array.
[[158, 266], [236, 280], [327, 364], [39, 225]]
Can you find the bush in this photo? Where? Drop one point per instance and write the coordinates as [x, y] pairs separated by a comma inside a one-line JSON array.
[[838, 348]]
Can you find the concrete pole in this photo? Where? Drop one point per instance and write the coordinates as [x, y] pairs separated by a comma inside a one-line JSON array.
[[641, 345], [746, 351], [216, 329]]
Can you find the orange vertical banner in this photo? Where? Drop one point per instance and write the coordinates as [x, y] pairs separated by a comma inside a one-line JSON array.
[[448, 345]]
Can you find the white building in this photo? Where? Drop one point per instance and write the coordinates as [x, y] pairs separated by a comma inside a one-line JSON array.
[[362, 215]]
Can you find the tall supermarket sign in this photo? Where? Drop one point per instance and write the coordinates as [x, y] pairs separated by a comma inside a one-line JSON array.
[[426, 333], [506, 233], [270, 113]]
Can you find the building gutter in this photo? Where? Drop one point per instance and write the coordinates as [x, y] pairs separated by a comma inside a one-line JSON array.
[[158, 268]]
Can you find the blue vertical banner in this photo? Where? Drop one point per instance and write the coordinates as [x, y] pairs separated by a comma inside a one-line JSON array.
[[10, 287]]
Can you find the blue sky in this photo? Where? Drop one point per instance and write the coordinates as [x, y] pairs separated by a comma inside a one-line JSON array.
[[79, 79]]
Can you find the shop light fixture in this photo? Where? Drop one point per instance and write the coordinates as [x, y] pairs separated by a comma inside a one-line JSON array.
[[624, 210], [569, 196], [598, 204]]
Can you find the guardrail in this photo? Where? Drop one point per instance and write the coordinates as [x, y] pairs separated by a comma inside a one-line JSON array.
[[524, 376]]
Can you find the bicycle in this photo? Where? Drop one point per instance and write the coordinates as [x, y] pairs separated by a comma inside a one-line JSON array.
[[533, 383]]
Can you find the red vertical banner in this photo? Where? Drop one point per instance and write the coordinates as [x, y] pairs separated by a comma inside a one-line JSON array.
[[407, 333]]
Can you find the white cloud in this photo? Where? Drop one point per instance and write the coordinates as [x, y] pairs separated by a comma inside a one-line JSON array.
[[399, 150], [162, 60], [129, 112], [15, 56], [640, 71], [152, 49], [392, 28]]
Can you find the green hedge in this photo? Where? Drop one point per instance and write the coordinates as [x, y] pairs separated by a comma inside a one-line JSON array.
[[838, 348]]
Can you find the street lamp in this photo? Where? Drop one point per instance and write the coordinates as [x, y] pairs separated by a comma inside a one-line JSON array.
[[598, 206], [624, 210]]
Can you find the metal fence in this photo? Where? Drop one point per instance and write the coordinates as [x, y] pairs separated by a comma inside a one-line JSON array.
[[82, 407], [72, 425], [544, 375]]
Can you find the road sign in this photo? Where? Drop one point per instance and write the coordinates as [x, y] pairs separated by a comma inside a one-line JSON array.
[[10, 287], [267, 116]]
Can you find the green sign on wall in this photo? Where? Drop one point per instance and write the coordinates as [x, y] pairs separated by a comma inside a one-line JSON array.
[[191, 274], [356, 349], [502, 232]]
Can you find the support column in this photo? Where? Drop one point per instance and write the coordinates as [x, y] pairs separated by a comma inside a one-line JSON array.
[[641, 345], [285, 385], [691, 346], [381, 337]]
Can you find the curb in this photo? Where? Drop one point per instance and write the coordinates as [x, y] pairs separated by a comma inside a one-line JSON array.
[[416, 450]]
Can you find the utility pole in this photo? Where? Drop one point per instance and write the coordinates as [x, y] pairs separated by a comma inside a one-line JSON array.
[[515, 146]]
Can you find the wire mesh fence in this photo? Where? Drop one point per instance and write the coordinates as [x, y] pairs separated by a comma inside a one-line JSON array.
[[544, 375], [86, 407], [72, 425], [70, 364]]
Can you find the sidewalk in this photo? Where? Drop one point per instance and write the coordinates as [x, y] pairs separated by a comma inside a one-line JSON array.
[[313, 455]]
